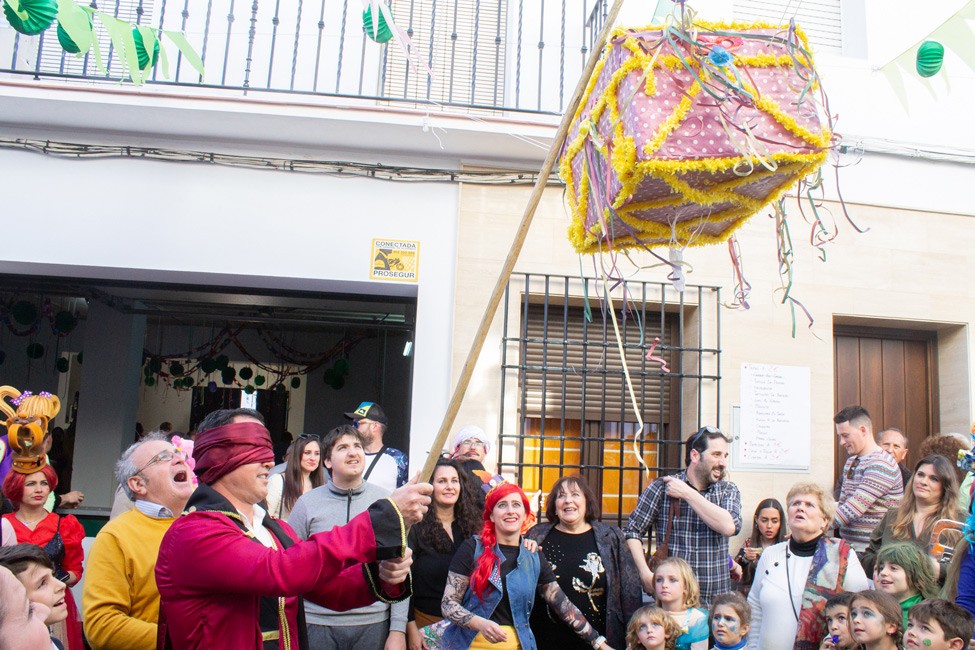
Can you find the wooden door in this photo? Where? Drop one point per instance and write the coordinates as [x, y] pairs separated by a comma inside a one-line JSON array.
[[892, 374]]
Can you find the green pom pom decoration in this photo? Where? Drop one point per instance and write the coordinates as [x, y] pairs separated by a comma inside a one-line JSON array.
[[249, 390], [930, 57], [227, 375], [25, 313], [245, 373], [295, 382], [176, 368], [208, 365], [40, 14], [140, 50], [259, 380], [383, 32], [222, 362], [342, 366], [150, 381], [62, 365], [35, 350], [65, 321], [155, 365]]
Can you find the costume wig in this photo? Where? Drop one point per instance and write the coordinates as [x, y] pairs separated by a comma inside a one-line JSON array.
[[489, 559], [13, 484]]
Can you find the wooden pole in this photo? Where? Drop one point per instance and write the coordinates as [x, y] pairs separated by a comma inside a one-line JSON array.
[[480, 336]]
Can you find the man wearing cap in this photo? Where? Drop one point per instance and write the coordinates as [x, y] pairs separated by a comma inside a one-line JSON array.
[[471, 444], [385, 466], [230, 576]]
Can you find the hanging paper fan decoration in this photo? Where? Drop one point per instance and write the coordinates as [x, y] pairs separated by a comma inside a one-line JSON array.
[[67, 43], [140, 49], [681, 137], [32, 16], [381, 33], [930, 57]]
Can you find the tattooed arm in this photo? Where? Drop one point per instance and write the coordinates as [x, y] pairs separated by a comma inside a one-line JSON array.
[[453, 596], [568, 612], [454, 611]]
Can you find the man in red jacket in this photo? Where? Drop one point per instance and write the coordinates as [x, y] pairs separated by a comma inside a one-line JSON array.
[[231, 576]]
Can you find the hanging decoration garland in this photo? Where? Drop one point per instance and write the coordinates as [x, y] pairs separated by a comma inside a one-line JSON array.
[[930, 57], [30, 17], [381, 33], [22, 318]]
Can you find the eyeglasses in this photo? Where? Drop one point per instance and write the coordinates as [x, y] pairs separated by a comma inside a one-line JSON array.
[[473, 443], [701, 432], [853, 467], [162, 457]]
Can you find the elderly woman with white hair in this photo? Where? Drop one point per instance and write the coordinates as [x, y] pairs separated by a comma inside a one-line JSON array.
[[794, 578]]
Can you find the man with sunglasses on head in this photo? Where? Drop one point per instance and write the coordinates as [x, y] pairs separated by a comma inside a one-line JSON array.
[[385, 466], [871, 481], [120, 599], [707, 514]]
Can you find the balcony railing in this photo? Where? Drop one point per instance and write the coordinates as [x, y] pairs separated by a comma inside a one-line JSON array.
[[485, 55]]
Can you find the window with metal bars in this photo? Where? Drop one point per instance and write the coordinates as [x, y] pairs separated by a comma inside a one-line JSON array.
[[574, 408], [822, 20], [463, 40]]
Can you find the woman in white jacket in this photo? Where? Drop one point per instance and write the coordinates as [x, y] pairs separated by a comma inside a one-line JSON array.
[[794, 579]]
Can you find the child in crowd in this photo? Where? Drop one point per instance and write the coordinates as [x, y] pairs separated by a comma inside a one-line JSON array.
[[31, 565], [651, 628], [938, 625], [677, 592], [875, 620], [905, 572], [837, 613], [730, 619]]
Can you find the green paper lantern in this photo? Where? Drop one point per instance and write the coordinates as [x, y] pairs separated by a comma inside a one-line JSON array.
[[249, 390], [155, 365], [342, 366], [930, 57], [62, 365], [188, 382], [227, 375], [176, 368], [279, 388], [67, 44], [40, 15], [25, 313], [208, 365], [140, 50], [222, 362], [245, 373], [330, 376], [150, 381], [383, 33], [259, 380], [35, 350], [65, 321], [295, 382]]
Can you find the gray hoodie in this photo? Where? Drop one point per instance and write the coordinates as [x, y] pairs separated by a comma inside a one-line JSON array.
[[322, 509]]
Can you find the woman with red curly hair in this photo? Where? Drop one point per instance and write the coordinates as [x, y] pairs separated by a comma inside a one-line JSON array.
[[493, 580], [59, 536]]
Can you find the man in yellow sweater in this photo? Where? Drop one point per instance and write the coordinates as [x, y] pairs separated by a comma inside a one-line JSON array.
[[120, 601]]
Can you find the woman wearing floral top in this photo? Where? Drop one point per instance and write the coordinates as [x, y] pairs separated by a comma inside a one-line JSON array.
[[592, 565]]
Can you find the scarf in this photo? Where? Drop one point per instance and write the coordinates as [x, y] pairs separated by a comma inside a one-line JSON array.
[[826, 576], [221, 450]]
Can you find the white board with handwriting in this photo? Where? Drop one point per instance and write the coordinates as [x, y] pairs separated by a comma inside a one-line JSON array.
[[774, 430]]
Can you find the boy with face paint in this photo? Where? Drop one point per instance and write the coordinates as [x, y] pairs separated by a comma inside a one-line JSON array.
[[938, 625], [730, 620], [837, 613]]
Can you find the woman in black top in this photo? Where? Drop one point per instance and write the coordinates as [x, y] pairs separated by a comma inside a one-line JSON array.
[[592, 565], [453, 517]]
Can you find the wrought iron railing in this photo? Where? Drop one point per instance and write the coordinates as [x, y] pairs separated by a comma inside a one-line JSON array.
[[494, 55]]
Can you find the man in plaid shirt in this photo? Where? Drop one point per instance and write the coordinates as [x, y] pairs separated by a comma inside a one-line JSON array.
[[710, 513]]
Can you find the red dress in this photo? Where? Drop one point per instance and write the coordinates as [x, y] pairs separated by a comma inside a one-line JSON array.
[[72, 534]]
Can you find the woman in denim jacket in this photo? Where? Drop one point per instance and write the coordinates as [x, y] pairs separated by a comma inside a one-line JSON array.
[[493, 580]]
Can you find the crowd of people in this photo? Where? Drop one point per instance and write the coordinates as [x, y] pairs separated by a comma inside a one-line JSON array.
[[336, 549]]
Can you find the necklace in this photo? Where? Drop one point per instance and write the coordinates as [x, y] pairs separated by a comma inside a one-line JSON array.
[[30, 523]]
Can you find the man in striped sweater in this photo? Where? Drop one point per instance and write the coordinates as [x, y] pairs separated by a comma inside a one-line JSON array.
[[871, 481]]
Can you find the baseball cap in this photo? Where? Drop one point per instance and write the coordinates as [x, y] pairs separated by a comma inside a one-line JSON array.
[[368, 411]]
